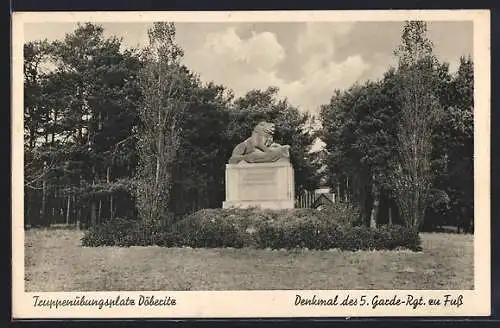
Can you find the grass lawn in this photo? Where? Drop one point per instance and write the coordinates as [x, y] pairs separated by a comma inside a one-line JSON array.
[[55, 261]]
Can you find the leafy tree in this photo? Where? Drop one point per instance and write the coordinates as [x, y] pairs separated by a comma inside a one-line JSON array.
[[419, 112], [199, 174], [358, 127], [455, 136], [165, 86]]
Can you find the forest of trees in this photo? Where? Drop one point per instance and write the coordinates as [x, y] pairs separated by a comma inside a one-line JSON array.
[[135, 133]]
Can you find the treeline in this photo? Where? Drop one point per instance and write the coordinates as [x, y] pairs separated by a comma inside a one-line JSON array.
[[402, 147], [90, 129], [134, 133]]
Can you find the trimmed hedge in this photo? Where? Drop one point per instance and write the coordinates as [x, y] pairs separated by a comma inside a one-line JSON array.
[[276, 229]]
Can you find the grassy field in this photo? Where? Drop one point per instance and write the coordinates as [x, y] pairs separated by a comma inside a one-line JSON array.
[[55, 261]]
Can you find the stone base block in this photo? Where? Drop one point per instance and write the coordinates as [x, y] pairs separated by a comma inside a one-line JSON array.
[[264, 185], [264, 204]]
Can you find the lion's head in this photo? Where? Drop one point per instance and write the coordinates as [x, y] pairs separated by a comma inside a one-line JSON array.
[[264, 128]]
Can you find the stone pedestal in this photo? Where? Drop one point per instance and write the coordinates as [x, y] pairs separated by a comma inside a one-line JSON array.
[[264, 185]]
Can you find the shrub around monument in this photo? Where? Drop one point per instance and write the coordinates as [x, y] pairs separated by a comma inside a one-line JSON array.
[[319, 233], [276, 229], [123, 233], [237, 227], [207, 229]]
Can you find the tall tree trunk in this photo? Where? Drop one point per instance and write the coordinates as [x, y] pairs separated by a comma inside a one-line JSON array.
[[346, 189], [74, 209], [68, 209], [93, 206], [99, 127], [79, 219], [53, 134], [390, 215], [111, 210], [108, 180], [99, 212], [93, 214], [43, 208], [158, 164], [338, 192], [376, 203]]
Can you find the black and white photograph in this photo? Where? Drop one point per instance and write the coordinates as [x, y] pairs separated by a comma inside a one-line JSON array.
[[274, 164]]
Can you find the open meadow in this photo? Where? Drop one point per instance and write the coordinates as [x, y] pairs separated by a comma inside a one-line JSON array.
[[55, 261]]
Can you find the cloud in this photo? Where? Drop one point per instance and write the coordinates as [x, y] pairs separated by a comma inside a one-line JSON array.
[[249, 63], [321, 38], [321, 72], [261, 51], [318, 85]]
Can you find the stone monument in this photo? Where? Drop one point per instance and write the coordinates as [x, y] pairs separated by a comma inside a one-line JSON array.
[[259, 172]]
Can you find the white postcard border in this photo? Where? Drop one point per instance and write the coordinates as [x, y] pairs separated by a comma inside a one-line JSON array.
[[223, 304]]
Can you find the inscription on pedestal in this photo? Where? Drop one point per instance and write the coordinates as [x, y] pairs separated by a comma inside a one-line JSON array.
[[260, 177], [258, 184]]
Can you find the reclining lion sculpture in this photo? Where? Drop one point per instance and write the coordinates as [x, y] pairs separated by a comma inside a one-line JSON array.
[[260, 147]]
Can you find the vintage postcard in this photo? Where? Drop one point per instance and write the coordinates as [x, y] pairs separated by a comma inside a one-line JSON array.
[[251, 164]]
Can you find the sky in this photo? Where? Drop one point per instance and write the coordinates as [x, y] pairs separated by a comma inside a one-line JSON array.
[[306, 61]]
